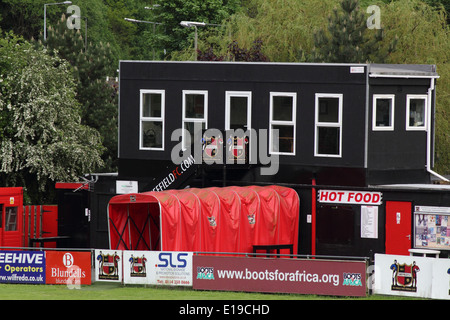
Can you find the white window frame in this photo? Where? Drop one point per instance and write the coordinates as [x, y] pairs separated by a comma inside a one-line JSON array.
[[425, 111], [374, 112], [318, 124], [143, 119], [228, 96], [248, 95], [291, 123], [195, 120]]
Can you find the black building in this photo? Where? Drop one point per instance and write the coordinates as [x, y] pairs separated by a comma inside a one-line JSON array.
[[344, 124], [362, 132]]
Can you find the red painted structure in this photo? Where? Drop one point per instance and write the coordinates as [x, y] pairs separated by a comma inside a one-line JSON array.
[[11, 217], [230, 219]]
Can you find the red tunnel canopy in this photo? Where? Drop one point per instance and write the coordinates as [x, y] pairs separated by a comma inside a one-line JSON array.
[[230, 219]]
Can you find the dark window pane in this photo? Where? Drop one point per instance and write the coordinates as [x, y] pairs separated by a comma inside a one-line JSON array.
[[195, 106], [383, 112], [152, 134], [328, 140], [328, 110], [286, 139], [282, 108], [151, 105]]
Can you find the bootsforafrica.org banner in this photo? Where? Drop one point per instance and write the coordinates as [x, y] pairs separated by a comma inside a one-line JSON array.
[[323, 277], [22, 267]]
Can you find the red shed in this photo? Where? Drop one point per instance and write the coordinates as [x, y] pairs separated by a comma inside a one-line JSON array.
[[230, 219], [11, 217]]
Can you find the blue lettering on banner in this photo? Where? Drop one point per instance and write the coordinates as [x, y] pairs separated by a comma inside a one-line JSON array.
[[168, 261], [22, 267]]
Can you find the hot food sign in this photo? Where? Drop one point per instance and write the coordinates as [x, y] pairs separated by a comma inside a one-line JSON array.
[[350, 197]]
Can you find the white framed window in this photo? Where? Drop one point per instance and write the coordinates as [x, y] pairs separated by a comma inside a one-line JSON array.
[[328, 125], [416, 112], [383, 107], [152, 105], [195, 113], [282, 116], [238, 110]]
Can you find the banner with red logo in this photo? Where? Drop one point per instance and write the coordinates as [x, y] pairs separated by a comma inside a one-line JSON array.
[[68, 268]]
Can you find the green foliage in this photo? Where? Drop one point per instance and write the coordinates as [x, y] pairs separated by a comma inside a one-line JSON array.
[[43, 140], [347, 38], [283, 30], [97, 96], [424, 38], [235, 53], [171, 13], [284, 26]]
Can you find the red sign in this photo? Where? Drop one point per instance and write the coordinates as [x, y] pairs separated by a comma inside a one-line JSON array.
[[350, 197], [68, 268], [322, 277]]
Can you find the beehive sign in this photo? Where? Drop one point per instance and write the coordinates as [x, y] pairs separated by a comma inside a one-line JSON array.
[[350, 197]]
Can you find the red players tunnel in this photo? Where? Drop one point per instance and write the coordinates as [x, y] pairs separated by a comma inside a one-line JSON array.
[[230, 219]]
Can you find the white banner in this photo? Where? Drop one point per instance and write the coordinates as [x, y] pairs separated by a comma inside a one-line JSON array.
[[157, 268], [412, 276], [108, 265], [349, 197]]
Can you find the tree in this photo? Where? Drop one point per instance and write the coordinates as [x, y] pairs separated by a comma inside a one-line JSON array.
[[424, 38], [42, 138], [347, 38], [235, 53], [97, 96], [171, 13]]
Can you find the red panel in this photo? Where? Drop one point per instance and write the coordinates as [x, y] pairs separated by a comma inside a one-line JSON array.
[[71, 185], [138, 226], [12, 197], [398, 227], [190, 220], [266, 230], [118, 231], [210, 205], [229, 220], [50, 224], [170, 221], [289, 215], [250, 212]]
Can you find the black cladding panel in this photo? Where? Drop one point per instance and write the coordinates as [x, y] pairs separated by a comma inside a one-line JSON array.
[[260, 79]]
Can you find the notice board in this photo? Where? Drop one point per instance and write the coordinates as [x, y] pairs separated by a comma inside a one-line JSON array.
[[432, 227]]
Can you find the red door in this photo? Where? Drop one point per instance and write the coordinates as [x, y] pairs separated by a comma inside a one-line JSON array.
[[398, 227], [1, 224]]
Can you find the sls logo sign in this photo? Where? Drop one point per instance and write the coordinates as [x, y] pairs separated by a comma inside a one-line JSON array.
[[167, 259], [174, 268]]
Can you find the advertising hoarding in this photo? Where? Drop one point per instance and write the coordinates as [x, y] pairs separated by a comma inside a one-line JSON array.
[[64, 267], [22, 267], [412, 276], [157, 268], [323, 277], [108, 265]]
